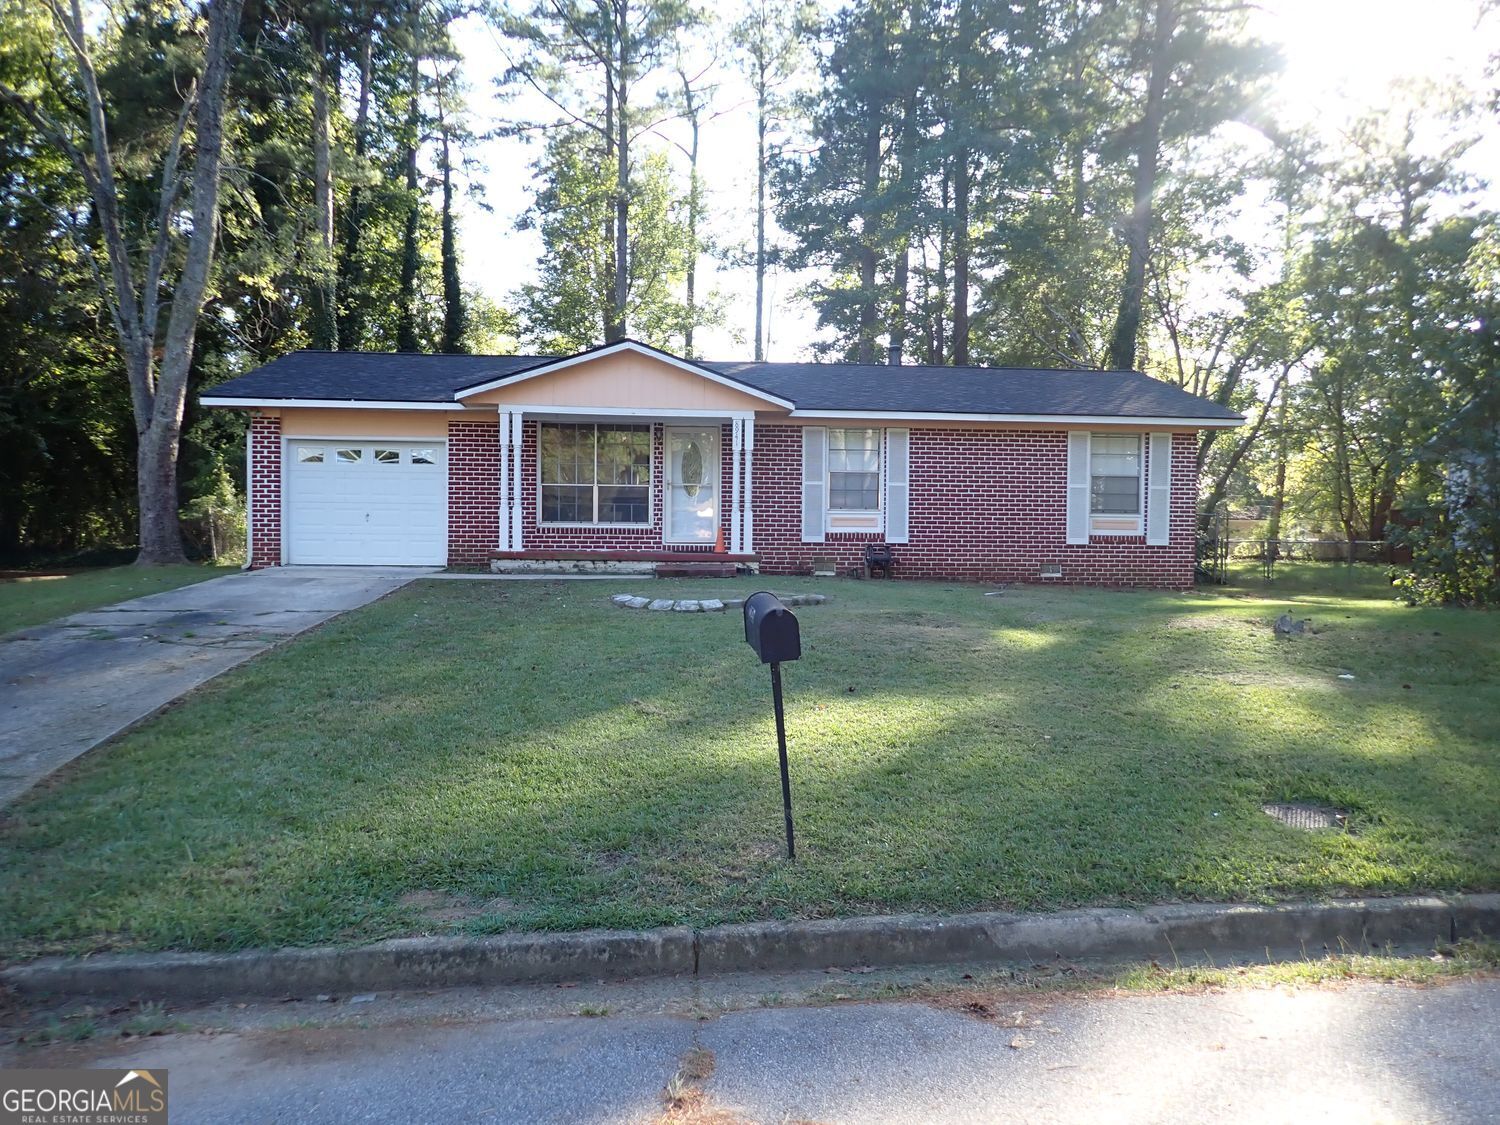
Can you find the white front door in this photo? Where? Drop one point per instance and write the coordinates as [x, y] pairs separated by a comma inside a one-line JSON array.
[[692, 514], [361, 501]]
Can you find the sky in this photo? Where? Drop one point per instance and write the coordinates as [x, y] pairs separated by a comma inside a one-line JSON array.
[[1341, 58]]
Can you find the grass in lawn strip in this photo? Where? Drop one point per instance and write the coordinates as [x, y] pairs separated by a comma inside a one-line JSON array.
[[30, 598], [532, 745]]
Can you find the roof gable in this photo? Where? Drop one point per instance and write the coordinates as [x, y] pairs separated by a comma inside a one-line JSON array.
[[622, 375]]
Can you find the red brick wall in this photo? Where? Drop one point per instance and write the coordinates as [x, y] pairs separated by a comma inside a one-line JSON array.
[[611, 538], [265, 492], [986, 505], [473, 492]]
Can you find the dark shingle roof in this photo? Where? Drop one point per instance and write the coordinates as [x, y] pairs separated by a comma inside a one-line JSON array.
[[972, 390], [372, 376]]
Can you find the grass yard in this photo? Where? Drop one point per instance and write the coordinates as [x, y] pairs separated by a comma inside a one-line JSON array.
[[482, 756], [31, 598]]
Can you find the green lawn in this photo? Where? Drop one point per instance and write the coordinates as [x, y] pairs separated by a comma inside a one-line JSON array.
[[477, 756], [31, 599]]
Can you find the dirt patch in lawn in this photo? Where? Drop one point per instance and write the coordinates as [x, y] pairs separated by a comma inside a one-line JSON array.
[[1285, 680], [1196, 621], [441, 906]]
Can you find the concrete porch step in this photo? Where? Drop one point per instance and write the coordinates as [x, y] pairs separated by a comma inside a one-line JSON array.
[[696, 570]]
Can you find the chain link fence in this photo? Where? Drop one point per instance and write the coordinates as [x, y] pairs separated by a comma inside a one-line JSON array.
[[1217, 548]]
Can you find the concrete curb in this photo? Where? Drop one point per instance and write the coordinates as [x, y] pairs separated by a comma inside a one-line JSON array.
[[1164, 933], [396, 964]]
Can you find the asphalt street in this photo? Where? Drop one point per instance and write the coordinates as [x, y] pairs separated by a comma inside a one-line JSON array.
[[1361, 1052]]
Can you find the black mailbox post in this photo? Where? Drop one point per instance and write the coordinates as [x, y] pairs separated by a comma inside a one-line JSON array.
[[771, 630]]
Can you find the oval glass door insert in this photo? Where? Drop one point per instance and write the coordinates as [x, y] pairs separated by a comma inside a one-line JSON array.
[[692, 469]]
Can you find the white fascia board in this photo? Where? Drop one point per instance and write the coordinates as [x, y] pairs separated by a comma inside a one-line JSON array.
[[1062, 420], [290, 438], [616, 349], [644, 412], [329, 403]]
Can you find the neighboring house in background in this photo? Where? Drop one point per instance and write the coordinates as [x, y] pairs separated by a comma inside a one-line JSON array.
[[626, 456]]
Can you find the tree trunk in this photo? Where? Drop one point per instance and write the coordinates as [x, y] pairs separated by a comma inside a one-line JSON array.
[[695, 204], [1127, 329], [961, 258], [156, 487], [1343, 468], [1380, 510], [617, 326], [160, 432], [1278, 496], [937, 328], [156, 401], [869, 309], [351, 321], [455, 316], [1220, 486], [324, 328], [761, 109], [907, 205], [406, 312], [959, 352]]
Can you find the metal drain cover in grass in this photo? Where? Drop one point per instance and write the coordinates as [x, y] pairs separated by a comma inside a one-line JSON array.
[[1309, 818]]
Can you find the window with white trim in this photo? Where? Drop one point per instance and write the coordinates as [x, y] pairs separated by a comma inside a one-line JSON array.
[[853, 470], [1115, 483], [593, 474]]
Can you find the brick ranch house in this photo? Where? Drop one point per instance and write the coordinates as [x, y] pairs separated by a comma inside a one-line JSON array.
[[624, 457]]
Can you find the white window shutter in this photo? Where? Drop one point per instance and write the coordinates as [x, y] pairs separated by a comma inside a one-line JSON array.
[[897, 485], [1159, 490], [1078, 487], [814, 483]]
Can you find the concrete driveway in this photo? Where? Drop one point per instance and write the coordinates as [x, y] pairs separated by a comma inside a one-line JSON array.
[[68, 685]]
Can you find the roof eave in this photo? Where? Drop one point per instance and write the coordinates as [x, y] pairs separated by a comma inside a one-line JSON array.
[[266, 402], [1193, 423]]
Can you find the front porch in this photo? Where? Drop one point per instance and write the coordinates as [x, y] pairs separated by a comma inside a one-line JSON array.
[[623, 491]]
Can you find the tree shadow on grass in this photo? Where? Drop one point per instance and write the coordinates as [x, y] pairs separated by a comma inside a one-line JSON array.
[[597, 768]]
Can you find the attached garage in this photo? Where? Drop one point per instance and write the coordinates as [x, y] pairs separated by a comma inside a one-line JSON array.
[[365, 501]]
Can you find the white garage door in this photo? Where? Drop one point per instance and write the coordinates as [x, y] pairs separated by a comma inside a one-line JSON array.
[[366, 502]]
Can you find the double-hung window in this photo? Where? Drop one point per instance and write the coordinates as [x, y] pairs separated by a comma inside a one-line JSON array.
[[853, 470], [1115, 483], [592, 474]]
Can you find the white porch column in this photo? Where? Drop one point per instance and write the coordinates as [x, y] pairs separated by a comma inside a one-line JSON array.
[[737, 430], [516, 508], [748, 540], [504, 537]]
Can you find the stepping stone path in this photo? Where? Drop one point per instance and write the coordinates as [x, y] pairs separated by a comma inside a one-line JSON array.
[[706, 605]]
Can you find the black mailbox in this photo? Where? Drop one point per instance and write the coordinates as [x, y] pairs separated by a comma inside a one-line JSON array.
[[771, 629]]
